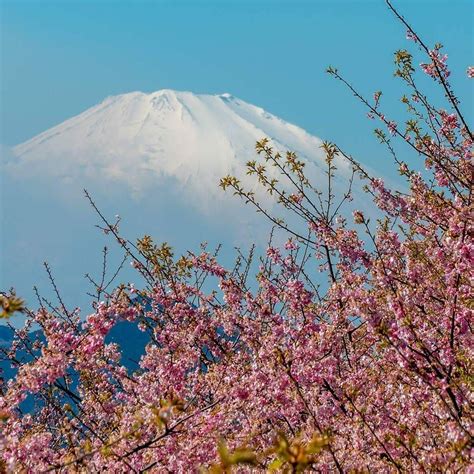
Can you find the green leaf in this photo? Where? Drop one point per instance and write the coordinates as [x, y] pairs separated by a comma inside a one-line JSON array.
[[275, 464]]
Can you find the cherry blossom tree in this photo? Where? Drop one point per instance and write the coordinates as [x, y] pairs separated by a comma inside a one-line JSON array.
[[351, 350]]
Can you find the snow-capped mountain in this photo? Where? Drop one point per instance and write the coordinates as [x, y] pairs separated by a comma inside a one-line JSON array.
[[138, 139], [156, 159]]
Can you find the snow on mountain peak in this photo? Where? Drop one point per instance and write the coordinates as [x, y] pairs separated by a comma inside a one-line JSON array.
[[156, 159], [138, 139]]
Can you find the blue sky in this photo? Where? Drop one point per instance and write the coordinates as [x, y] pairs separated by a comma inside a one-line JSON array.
[[60, 57]]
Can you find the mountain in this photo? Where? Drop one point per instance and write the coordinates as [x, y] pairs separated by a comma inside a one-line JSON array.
[[156, 159], [135, 140]]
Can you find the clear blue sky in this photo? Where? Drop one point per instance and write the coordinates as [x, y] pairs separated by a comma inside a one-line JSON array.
[[60, 57]]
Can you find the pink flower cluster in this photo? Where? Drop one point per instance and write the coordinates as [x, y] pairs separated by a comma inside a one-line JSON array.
[[437, 67]]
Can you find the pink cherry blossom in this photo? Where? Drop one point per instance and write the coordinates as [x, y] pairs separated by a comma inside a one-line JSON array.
[[350, 350]]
